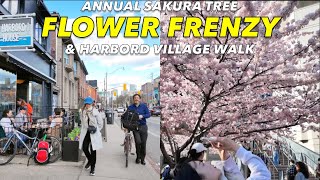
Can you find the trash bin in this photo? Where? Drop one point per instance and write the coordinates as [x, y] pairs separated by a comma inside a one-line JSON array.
[[110, 117]]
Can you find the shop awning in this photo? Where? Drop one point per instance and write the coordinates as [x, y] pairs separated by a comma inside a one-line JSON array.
[[13, 59]]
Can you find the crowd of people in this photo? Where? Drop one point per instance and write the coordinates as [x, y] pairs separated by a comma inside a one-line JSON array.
[[194, 167], [23, 121]]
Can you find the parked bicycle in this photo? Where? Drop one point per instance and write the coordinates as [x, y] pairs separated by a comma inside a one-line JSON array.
[[129, 122], [8, 145], [127, 145]]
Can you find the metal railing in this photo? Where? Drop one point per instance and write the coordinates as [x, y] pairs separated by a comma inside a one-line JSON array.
[[298, 152], [63, 128], [275, 170]]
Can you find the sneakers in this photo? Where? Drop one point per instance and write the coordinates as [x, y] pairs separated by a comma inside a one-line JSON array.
[[143, 162], [87, 166], [92, 173]]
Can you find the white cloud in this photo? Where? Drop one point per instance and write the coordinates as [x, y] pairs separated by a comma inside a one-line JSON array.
[[111, 60], [145, 62], [153, 65]]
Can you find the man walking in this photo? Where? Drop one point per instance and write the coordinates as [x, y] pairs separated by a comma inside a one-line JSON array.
[[140, 135]]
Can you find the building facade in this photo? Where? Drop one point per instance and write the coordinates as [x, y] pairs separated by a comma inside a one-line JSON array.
[[70, 89], [146, 93], [133, 88], [82, 83], [27, 74]]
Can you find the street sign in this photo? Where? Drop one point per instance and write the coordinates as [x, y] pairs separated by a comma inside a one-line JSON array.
[[16, 32]]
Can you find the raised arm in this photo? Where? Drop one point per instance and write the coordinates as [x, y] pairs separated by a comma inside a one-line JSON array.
[[99, 119], [257, 167]]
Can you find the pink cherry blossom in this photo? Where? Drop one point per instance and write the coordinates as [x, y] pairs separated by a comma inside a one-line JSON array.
[[243, 97]]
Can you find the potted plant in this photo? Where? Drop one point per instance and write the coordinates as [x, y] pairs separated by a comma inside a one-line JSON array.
[[70, 146]]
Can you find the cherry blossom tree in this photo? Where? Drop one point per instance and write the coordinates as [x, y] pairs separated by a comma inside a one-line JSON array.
[[246, 96]]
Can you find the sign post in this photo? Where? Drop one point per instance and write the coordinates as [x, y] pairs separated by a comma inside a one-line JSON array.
[[16, 32]]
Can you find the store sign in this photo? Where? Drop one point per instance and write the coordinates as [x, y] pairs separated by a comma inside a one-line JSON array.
[[16, 32]]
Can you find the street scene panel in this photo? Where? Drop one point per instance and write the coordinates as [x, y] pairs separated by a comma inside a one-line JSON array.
[[262, 105], [63, 113]]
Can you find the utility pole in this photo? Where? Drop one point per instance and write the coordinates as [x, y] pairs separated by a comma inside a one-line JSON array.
[[106, 114], [106, 91], [104, 87], [152, 89]]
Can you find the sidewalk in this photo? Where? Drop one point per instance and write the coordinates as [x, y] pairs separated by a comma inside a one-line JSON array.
[[110, 165], [111, 161]]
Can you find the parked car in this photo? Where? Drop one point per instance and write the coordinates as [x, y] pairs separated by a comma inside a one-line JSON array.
[[120, 110], [155, 111]]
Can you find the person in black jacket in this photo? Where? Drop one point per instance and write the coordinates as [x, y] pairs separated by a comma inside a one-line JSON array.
[[291, 173]]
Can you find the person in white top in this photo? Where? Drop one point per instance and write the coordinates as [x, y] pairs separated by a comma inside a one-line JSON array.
[[226, 169], [56, 123], [21, 119], [6, 121], [258, 168]]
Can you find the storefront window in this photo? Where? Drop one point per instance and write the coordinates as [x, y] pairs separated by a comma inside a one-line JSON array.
[[8, 89], [65, 55], [35, 98], [38, 36], [11, 6]]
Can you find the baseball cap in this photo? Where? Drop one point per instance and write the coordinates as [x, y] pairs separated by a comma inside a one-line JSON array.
[[199, 147], [88, 100]]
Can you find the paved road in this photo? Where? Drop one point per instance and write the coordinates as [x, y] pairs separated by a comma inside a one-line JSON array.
[[153, 142]]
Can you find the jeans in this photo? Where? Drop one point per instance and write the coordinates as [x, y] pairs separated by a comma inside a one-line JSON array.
[[140, 139], [276, 158], [92, 155]]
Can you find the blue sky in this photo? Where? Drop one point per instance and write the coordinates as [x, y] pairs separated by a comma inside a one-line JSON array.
[[138, 69]]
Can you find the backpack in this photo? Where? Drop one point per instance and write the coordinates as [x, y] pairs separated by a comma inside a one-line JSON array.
[[42, 155], [130, 120]]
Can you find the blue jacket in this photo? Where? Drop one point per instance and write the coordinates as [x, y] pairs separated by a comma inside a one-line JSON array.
[[143, 110]]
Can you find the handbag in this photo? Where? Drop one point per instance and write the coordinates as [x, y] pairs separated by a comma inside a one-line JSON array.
[[91, 129]]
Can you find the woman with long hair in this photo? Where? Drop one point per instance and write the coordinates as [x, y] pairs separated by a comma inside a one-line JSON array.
[[303, 172], [90, 136], [7, 121]]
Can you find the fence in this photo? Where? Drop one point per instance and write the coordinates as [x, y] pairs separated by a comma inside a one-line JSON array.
[[60, 128]]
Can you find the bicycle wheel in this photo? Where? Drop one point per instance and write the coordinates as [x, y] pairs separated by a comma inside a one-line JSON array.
[[55, 144], [7, 150], [126, 150]]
